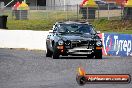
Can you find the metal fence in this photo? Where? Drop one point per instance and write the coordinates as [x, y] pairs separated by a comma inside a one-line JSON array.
[[68, 12]]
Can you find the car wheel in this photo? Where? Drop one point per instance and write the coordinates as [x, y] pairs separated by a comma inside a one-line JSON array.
[[98, 54], [48, 52], [55, 53]]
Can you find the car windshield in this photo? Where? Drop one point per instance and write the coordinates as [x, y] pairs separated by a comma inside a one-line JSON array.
[[76, 28]]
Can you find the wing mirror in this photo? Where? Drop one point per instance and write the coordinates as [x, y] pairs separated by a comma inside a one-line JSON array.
[[98, 32]]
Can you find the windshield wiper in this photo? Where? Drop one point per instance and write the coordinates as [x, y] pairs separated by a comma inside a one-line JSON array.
[[76, 32]]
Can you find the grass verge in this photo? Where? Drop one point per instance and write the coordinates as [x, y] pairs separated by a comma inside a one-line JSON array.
[[44, 20], [44, 25], [117, 26]]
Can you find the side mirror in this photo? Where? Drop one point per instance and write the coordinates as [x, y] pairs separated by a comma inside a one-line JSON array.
[[98, 32]]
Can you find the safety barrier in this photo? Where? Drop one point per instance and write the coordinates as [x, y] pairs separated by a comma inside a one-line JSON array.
[[113, 44], [23, 39], [117, 44]]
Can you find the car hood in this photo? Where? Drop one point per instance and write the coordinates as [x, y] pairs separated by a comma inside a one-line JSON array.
[[85, 36]]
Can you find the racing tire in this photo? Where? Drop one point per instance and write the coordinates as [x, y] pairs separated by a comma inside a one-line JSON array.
[[55, 56], [48, 52], [55, 53], [98, 54]]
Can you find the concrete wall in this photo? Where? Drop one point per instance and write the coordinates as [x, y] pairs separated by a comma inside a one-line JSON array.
[[23, 39]]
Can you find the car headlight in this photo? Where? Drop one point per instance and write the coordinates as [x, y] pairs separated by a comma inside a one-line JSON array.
[[60, 42], [98, 43]]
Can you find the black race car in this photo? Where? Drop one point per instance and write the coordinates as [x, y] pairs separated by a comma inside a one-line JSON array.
[[73, 38]]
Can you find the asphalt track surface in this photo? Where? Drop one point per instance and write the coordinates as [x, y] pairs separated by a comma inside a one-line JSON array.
[[31, 69]]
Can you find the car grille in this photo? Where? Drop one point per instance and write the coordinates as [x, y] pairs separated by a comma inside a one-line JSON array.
[[80, 44]]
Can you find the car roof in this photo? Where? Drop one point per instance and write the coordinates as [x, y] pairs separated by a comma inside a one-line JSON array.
[[72, 22]]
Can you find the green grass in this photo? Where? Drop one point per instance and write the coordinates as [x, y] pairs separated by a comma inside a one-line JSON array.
[[29, 24], [40, 20], [117, 26], [43, 20]]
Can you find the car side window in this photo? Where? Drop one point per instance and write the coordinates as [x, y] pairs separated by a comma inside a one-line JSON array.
[[54, 28], [57, 28]]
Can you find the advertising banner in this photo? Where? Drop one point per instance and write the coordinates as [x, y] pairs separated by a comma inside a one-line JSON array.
[[117, 44]]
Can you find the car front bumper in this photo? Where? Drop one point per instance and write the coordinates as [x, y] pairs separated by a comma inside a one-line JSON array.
[[83, 51]]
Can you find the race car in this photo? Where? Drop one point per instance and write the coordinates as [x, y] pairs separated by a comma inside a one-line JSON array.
[[73, 38]]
